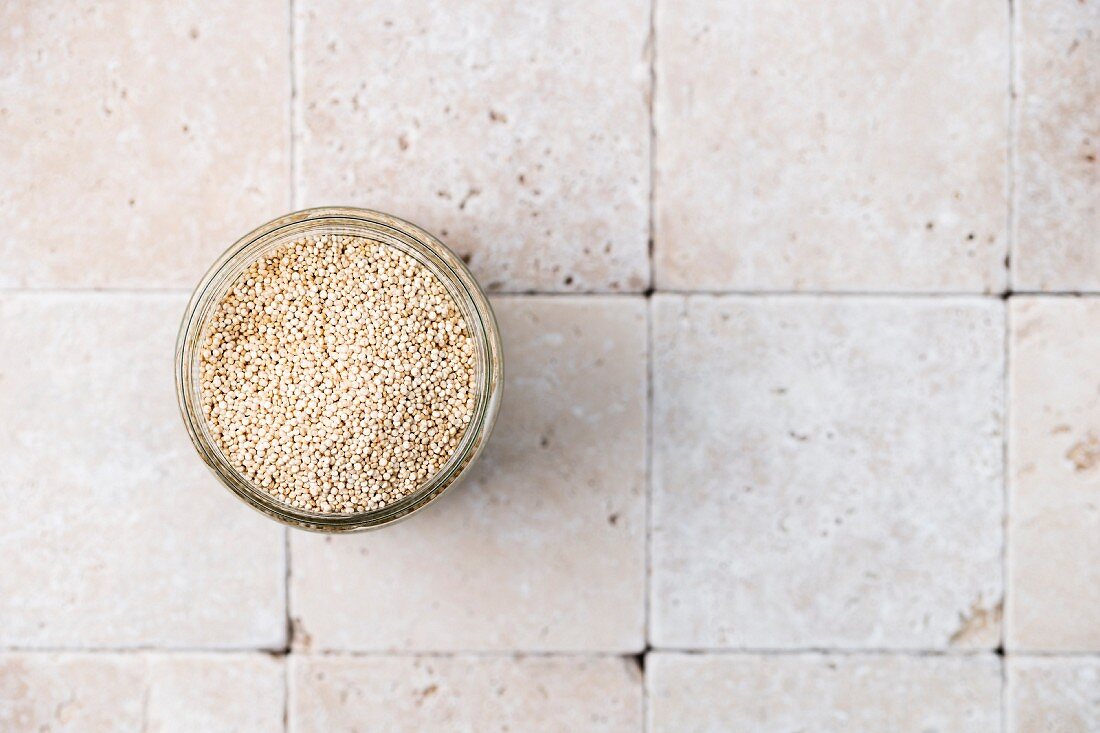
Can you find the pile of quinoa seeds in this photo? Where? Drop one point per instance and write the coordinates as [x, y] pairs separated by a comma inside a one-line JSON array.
[[337, 374]]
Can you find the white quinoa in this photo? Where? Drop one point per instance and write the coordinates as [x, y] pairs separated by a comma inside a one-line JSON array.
[[338, 374]]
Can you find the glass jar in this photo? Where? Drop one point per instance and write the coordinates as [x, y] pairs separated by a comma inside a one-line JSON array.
[[379, 227]]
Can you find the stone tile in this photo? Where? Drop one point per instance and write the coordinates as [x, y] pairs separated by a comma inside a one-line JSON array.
[[133, 158], [101, 693], [831, 146], [804, 692], [827, 472], [1053, 695], [518, 133], [1054, 464], [115, 534], [1057, 215], [533, 694], [543, 546]]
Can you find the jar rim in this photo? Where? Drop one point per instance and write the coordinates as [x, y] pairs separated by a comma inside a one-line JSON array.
[[380, 227]]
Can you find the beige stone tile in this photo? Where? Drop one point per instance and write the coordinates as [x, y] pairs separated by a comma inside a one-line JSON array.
[[827, 472], [543, 546], [109, 693], [138, 140], [812, 692], [1053, 695], [842, 145], [460, 694], [518, 132], [1054, 464], [115, 534], [1057, 188]]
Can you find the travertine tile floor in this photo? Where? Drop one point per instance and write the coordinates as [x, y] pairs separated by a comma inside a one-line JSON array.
[[801, 308]]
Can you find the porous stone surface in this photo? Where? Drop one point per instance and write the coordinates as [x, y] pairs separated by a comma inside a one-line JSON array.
[[827, 472], [115, 534], [465, 694], [717, 693], [1053, 694], [1054, 479], [1057, 184], [138, 141], [850, 484], [831, 146], [518, 133], [107, 693], [542, 546]]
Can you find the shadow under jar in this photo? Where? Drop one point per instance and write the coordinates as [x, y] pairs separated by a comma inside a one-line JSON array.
[[375, 227]]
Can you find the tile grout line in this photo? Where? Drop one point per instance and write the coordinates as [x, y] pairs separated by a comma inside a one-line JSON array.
[[1011, 162], [563, 654], [647, 610], [1006, 392], [1006, 494], [651, 242], [289, 643], [293, 96], [950, 652], [293, 193], [840, 294], [1007, 518], [95, 291], [651, 44]]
